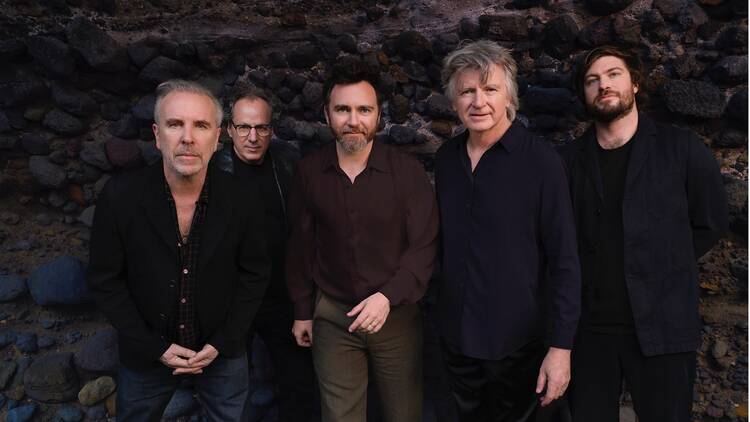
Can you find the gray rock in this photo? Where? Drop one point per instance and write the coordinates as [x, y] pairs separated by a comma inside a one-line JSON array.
[[127, 127], [46, 173], [692, 16], [20, 86], [36, 143], [141, 53], [559, 36], [149, 152], [11, 288], [99, 352], [143, 109], [51, 54], [548, 100], [52, 379], [161, 69], [122, 153], [97, 390], [99, 50], [303, 56], [21, 413], [508, 26], [63, 123], [44, 342], [7, 369], [60, 282], [730, 70], [719, 349], [440, 107], [402, 135], [670, 8], [87, 216], [627, 30], [731, 138], [737, 107], [398, 108], [27, 342], [312, 94], [733, 39], [69, 413], [96, 413], [93, 153], [412, 45], [597, 33], [182, 403], [693, 98], [73, 101], [607, 7]]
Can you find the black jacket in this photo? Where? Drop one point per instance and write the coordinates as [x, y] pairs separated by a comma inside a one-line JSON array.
[[133, 268], [674, 210]]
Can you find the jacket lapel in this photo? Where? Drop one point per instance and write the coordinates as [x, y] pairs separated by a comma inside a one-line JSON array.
[[643, 140], [156, 208], [218, 215]]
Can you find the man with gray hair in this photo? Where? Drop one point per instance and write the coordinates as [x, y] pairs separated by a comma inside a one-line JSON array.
[[178, 265], [509, 300]]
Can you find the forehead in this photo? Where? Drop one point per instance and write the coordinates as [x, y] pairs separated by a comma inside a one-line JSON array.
[[605, 63], [360, 93], [187, 106], [255, 107], [494, 75]]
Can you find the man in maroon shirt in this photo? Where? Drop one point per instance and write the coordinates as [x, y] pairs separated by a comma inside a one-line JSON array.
[[364, 237]]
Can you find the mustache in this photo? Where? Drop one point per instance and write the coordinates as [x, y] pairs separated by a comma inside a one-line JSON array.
[[607, 92]]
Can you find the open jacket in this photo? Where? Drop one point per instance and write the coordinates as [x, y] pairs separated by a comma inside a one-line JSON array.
[[134, 273], [674, 210]]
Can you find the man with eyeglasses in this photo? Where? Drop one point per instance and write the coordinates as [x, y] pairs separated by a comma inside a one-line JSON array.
[[256, 160]]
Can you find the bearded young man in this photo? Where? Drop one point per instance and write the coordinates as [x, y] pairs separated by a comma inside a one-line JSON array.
[[364, 237], [649, 201]]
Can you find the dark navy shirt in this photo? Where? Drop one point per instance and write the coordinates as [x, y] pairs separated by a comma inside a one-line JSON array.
[[510, 264]]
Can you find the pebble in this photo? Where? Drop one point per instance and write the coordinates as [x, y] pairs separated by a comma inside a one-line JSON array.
[[96, 390], [46, 341], [27, 342], [11, 288], [21, 413], [95, 413], [719, 349], [69, 413]]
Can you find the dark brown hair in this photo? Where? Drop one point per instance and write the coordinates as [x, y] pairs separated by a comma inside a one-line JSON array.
[[631, 60], [351, 70]]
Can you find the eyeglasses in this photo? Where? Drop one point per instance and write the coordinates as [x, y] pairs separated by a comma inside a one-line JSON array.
[[244, 130]]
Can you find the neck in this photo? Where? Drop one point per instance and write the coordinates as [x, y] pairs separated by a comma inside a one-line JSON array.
[[618, 132], [185, 186], [357, 159], [487, 138]]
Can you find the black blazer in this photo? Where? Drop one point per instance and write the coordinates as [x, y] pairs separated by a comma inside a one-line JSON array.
[[133, 268], [674, 210]]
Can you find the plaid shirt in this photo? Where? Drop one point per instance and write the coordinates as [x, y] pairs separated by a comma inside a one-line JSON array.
[[184, 326]]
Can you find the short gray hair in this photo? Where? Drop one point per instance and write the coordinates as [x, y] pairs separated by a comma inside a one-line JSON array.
[[481, 55], [181, 85]]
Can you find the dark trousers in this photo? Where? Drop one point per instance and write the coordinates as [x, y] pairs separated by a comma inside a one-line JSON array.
[[661, 386], [294, 377], [142, 395], [495, 390], [343, 361]]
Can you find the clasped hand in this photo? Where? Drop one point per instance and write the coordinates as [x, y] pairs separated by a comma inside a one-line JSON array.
[[186, 361]]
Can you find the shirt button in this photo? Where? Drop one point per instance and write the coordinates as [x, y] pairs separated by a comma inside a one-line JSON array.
[[179, 245], [182, 326], [184, 270], [183, 300]]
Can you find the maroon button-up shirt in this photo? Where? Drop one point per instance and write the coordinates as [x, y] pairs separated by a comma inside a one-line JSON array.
[[351, 240]]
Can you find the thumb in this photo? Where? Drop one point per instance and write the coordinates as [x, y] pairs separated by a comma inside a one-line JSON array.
[[540, 381], [357, 309], [184, 352]]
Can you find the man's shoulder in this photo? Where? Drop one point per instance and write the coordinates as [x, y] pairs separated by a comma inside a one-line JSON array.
[[314, 160], [402, 160]]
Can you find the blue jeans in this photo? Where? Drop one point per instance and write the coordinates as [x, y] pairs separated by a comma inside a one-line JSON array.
[[142, 395]]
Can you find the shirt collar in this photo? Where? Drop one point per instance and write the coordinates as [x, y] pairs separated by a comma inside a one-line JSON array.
[[377, 160], [202, 198], [510, 140]]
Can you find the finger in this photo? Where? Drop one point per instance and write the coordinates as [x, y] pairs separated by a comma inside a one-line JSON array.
[[183, 371], [357, 323], [357, 309], [540, 381], [183, 351], [202, 355], [177, 362]]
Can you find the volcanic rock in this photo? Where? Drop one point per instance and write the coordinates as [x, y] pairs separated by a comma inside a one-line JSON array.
[[693, 98], [60, 282], [99, 50], [52, 379]]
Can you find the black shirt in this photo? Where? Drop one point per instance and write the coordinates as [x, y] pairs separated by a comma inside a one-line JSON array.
[[276, 228], [609, 310], [510, 262]]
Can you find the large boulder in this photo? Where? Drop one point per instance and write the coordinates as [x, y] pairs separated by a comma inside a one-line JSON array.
[[161, 69], [93, 153], [99, 352], [303, 56], [52, 379], [123, 153], [51, 54], [23, 413], [730, 70], [96, 47], [48, 174], [440, 107], [555, 101], [737, 108], [693, 98], [60, 282], [559, 36], [73, 101], [36, 143], [509, 26], [412, 45], [97, 390], [20, 86]]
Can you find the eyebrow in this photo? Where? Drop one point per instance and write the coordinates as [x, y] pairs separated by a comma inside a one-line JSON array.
[[605, 72]]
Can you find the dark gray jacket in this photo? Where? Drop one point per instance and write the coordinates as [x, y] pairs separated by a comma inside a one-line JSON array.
[[674, 210]]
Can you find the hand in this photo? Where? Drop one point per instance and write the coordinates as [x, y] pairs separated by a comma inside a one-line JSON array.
[[555, 372], [176, 357], [199, 361], [302, 331], [373, 311]]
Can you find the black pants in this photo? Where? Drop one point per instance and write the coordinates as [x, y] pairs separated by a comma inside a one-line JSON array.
[[495, 390], [661, 386], [294, 376]]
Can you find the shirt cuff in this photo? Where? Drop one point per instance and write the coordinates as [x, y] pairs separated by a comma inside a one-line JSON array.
[[303, 309]]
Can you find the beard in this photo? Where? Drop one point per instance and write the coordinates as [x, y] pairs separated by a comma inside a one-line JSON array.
[[608, 113], [354, 142]]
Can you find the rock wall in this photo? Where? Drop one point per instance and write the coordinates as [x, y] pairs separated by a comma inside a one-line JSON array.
[[76, 104]]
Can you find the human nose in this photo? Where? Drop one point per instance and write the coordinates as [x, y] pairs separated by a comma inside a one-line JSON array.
[[480, 99], [187, 134], [353, 119], [252, 136]]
